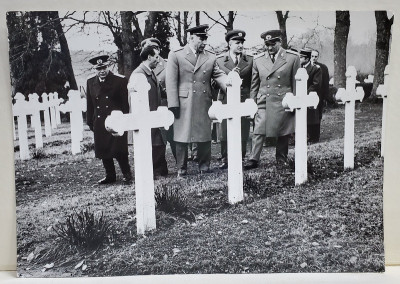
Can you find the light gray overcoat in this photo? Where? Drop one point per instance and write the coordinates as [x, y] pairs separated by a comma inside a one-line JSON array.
[[270, 82], [188, 83]]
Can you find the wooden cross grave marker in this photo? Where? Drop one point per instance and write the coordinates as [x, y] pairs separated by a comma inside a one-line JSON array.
[[348, 97], [21, 109], [141, 121], [36, 107], [382, 92], [300, 103], [54, 102], [46, 114], [75, 106], [233, 111], [57, 108]]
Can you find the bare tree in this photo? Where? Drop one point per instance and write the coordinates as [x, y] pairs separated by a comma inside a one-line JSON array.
[[224, 20], [197, 18], [383, 35], [340, 45], [180, 25], [282, 26]]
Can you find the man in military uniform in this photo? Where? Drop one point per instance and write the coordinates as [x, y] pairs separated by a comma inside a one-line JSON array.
[[150, 58], [273, 76], [235, 59], [315, 130], [313, 85], [188, 81], [160, 71], [106, 92]]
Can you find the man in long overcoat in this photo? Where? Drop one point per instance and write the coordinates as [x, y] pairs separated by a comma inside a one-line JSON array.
[[106, 92], [273, 76], [160, 71], [315, 130], [188, 82], [150, 57], [235, 59], [313, 85]]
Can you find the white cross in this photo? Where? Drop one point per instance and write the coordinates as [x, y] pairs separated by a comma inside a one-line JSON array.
[[58, 117], [46, 114], [21, 109], [54, 102], [233, 111], [141, 121], [36, 107], [349, 96], [300, 102], [75, 106], [382, 92]]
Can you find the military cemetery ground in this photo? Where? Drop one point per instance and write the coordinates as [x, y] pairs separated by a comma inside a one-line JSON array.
[[331, 223]]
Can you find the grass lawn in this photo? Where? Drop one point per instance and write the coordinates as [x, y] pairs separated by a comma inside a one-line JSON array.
[[333, 223]]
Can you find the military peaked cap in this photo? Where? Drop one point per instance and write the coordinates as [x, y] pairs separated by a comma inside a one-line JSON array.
[[150, 41], [305, 52], [271, 36], [199, 30], [235, 35], [99, 61]]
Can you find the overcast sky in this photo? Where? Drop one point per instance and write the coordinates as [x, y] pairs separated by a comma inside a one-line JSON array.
[[362, 28]]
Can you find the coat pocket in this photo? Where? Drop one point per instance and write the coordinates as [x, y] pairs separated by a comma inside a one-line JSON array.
[[183, 93]]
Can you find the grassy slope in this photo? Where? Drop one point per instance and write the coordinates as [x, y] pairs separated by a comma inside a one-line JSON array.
[[333, 223]]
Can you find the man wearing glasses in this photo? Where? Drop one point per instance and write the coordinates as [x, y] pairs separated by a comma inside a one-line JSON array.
[[106, 92], [273, 76], [188, 81]]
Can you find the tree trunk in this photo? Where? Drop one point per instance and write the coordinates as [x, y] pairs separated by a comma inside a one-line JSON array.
[[383, 34], [126, 65], [150, 24], [231, 19], [282, 26], [66, 55], [340, 45], [198, 18]]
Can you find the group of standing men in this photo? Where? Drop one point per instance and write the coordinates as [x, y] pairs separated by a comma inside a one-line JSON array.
[[185, 84]]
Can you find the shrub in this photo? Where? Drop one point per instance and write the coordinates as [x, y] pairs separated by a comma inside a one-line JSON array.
[[39, 154], [84, 229], [87, 147], [251, 184], [170, 200]]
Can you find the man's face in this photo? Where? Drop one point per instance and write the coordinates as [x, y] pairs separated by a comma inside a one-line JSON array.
[[304, 60], [236, 46], [273, 47], [153, 60], [102, 72], [198, 42], [314, 56]]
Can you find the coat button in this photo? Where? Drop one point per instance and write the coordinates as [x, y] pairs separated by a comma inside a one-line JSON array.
[[194, 91], [279, 77], [98, 116], [194, 81], [204, 91], [279, 85], [204, 71], [267, 78], [267, 95], [106, 97], [204, 82], [106, 106], [98, 107], [267, 86]]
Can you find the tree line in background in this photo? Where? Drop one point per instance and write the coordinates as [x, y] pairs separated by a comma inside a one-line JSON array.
[[41, 62]]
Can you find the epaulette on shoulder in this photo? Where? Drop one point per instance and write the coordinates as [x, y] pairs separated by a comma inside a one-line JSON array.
[[249, 55], [91, 76], [210, 51], [316, 65], [292, 52], [178, 49], [221, 55], [259, 55], [119, 75]]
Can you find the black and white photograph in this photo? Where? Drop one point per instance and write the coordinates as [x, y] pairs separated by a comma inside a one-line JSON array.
[[199, 142]]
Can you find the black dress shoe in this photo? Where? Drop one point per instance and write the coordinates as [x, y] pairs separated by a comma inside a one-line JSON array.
[[251, 164], [223, 166], [107, 180], [127, 179]]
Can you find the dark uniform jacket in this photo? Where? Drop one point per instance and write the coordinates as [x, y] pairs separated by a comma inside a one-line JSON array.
[[102, 99], [154, 99], [324, 91], [188, 82], [226, 64], [270, 82], [314, 85], [160, 72]]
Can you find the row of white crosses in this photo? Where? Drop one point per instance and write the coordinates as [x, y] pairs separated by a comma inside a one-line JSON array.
[[51, 108]]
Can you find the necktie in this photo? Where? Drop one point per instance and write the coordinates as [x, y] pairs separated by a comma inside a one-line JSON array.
[[236, 60], [273, 58], [153, 76]]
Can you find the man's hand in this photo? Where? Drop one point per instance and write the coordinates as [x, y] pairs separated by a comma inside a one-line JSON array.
[[176, 111]]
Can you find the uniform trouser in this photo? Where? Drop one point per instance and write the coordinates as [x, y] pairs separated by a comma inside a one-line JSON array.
[[282, 147], [203, 155], [224, 150], [159, 162], [123, 164], [314, 131], [170, 139]]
